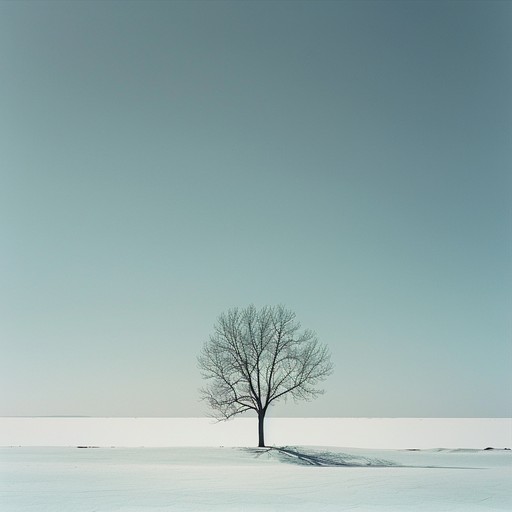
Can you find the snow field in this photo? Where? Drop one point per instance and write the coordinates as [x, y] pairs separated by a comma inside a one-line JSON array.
[[41, 468], [356, 432], [248, 479]]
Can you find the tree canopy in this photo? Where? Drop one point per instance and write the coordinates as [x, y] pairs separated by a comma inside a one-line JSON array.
[[255, 357]]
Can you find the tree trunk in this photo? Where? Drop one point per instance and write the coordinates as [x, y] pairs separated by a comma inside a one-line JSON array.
[[261, 435]]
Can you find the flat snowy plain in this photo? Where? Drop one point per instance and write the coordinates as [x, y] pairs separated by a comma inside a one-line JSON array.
[[289, 478]]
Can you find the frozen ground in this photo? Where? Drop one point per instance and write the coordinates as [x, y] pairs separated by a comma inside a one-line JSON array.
[[248, 479]]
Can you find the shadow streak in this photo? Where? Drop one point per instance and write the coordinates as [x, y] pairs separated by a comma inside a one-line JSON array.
[[292, 455], [302, 457]]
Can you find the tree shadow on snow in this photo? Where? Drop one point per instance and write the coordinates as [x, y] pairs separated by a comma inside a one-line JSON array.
[[304, 457]]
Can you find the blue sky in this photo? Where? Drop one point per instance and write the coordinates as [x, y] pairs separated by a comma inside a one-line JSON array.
[[165, 161]]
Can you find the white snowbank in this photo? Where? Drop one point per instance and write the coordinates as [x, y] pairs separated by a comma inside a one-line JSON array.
[[400, 433]]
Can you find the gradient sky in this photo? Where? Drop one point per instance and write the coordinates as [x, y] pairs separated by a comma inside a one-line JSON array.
[[163, 162]]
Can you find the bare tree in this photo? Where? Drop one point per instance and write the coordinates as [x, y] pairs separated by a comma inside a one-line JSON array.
[[255, 357]]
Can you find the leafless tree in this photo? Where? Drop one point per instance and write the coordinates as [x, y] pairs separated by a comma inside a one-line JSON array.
[[255, 357]]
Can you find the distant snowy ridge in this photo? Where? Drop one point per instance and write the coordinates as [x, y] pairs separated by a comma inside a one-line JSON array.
[[397, 433]]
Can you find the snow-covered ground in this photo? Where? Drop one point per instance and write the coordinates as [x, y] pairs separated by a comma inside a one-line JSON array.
[[194, 464], [250, 479], [354, 432]]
